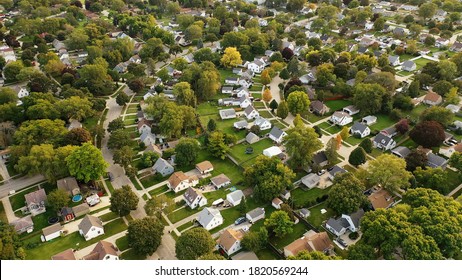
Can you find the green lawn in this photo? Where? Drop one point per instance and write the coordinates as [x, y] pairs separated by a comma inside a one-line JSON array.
[[267, 254], [226, 73], [259, 104], [136, 184], [421, 62], [152, 180], [383, 121], [2, 213], [316, 218], [206, 108], [109, 186], [301, 195], [159, 190], [298, 231], [227, 126], [182, 213], [417, 111], [184, 226], [266, 114], [45, 250], [132, 255], [11, 171], [128, 121], [352, 140], [256, 88], [336, 105], [122, 243], [108, 217], [453, 179], [238, 151], [312, 118]]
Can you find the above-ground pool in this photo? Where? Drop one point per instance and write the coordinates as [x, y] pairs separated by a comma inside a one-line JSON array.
[[77, 198]]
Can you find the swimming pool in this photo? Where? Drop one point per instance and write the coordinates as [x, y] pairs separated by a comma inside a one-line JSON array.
[[77, 198]]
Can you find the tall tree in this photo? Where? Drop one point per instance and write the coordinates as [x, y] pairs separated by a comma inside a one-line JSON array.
[[298, 102], [159, 204], [186, 151], [428, 134], [217, 145], [11, 248], [357, 157], [231, 58], [193, 244], [301, 142], [123, 156], [184, 94], [123, 201], [145, 235], [346, 195], [282, 110], [86, 163], [279, 223], [389, 172]]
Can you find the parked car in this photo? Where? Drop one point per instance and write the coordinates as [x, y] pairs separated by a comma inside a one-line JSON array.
[[110, 176], [320, 172], [240, 221], [342, 242]]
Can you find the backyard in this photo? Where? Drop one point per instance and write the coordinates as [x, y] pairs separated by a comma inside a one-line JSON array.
[[316, 218], [238, 152]]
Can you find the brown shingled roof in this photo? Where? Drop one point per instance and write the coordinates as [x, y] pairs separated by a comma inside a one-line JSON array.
[[203, 166], [381, 199], [102, 249], [229, 237], [67, 255], [432, 96], [176, 178]]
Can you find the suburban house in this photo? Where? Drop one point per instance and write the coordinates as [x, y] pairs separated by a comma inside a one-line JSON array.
[[245, 82], [91, 227], [230, 241], [273, 151], [7, 53], [334, 171], [220, 181], [227, 90], [66, 214], [453, 108], [240, 92], [277, 202], [311, 180], [393, 60], [24, 224], [103, 251], [81, 209], [341, 118], [435, 161], [432, 99], [234, 198], [251, 113], [204, 167], [226, 114], [320, 158], [310, 242], [244, 102], [69, 185], [277, 135], [360, 129], [369, 120], [22, 92], [456, 47], [256, 66], [401, 151], [52, 232], [384, 142], [162, 167], [148, 138], [390, 131], [67, 255], [262, 123], [241, 125], [210, 218], [194, 198], [304, 213], [351, 110], [144, 126], [381, 199], [345, 222], [232, 81], [442, 42], [36, 202], [319, 108], [178, 181], [255, 215], [408, 66], [252, 138]]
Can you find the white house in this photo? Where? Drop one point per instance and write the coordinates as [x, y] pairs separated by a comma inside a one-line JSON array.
[[360, 129], [245, 82], [384, 142], [262, 123], [311, 180], [220, 181], [244, 102], [346, 222], [241, 125], [277, 202], [341, 118], [36, 202], [204, 167], [232, 81], [242, 91], [144, 126], [210, 218], [147, 95], [277, 135], [351, 110], [408, 66], [394, 60], [369, 120], [272, 151], [256, 66], [227, 90], [91, 227], [194, 198], [235, 197], [251, 113], [162, 167], [255, 215], [52, 232], [230, 241], [178, 181]]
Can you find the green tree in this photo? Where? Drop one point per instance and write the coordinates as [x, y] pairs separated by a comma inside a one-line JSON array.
[[357, 157], [217, 145], [313, 255], [184, 94], [36, 132], [447, 70], [187, 151], [86, 163], [77, 136], [369, 98], [212, 257], [325, 74], [366, 144], [440, 114], [279, 223], [11, 248], [145, 235], [298, 102], [456, 161], [432, 178], [282, 110], [122, 99], [194, 243], [416, 158], [75, 107], [57, 199], [389, 172], [231, 58], [243, 207], [159, 204], [115, 124], [8, 95], [301, 142], [273, 105], [123, 156], [284, 74], [346, 195], [269, 177], [361, 251], [427, 10], [428, 134], [255, 240], [118, 139], [11, 70], [211, 125], [123, 201], [148, 159], [77, 40]]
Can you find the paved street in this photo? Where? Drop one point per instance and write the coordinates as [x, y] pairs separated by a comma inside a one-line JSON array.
[[20, 183]]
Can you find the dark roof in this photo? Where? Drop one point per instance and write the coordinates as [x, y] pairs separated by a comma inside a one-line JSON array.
[[356, 217], [357, 126], [436, 161], [382, 139], [408, 64], [190, 195], [249, 110], [401, 151], [320, 157], [338, 224], [336, 170], [276, 132]]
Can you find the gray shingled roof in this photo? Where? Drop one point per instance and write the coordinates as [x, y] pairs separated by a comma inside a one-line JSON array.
[[357, 126], [89, 221], [256, 212], [338, 224], [276, 132], [190, 195]]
